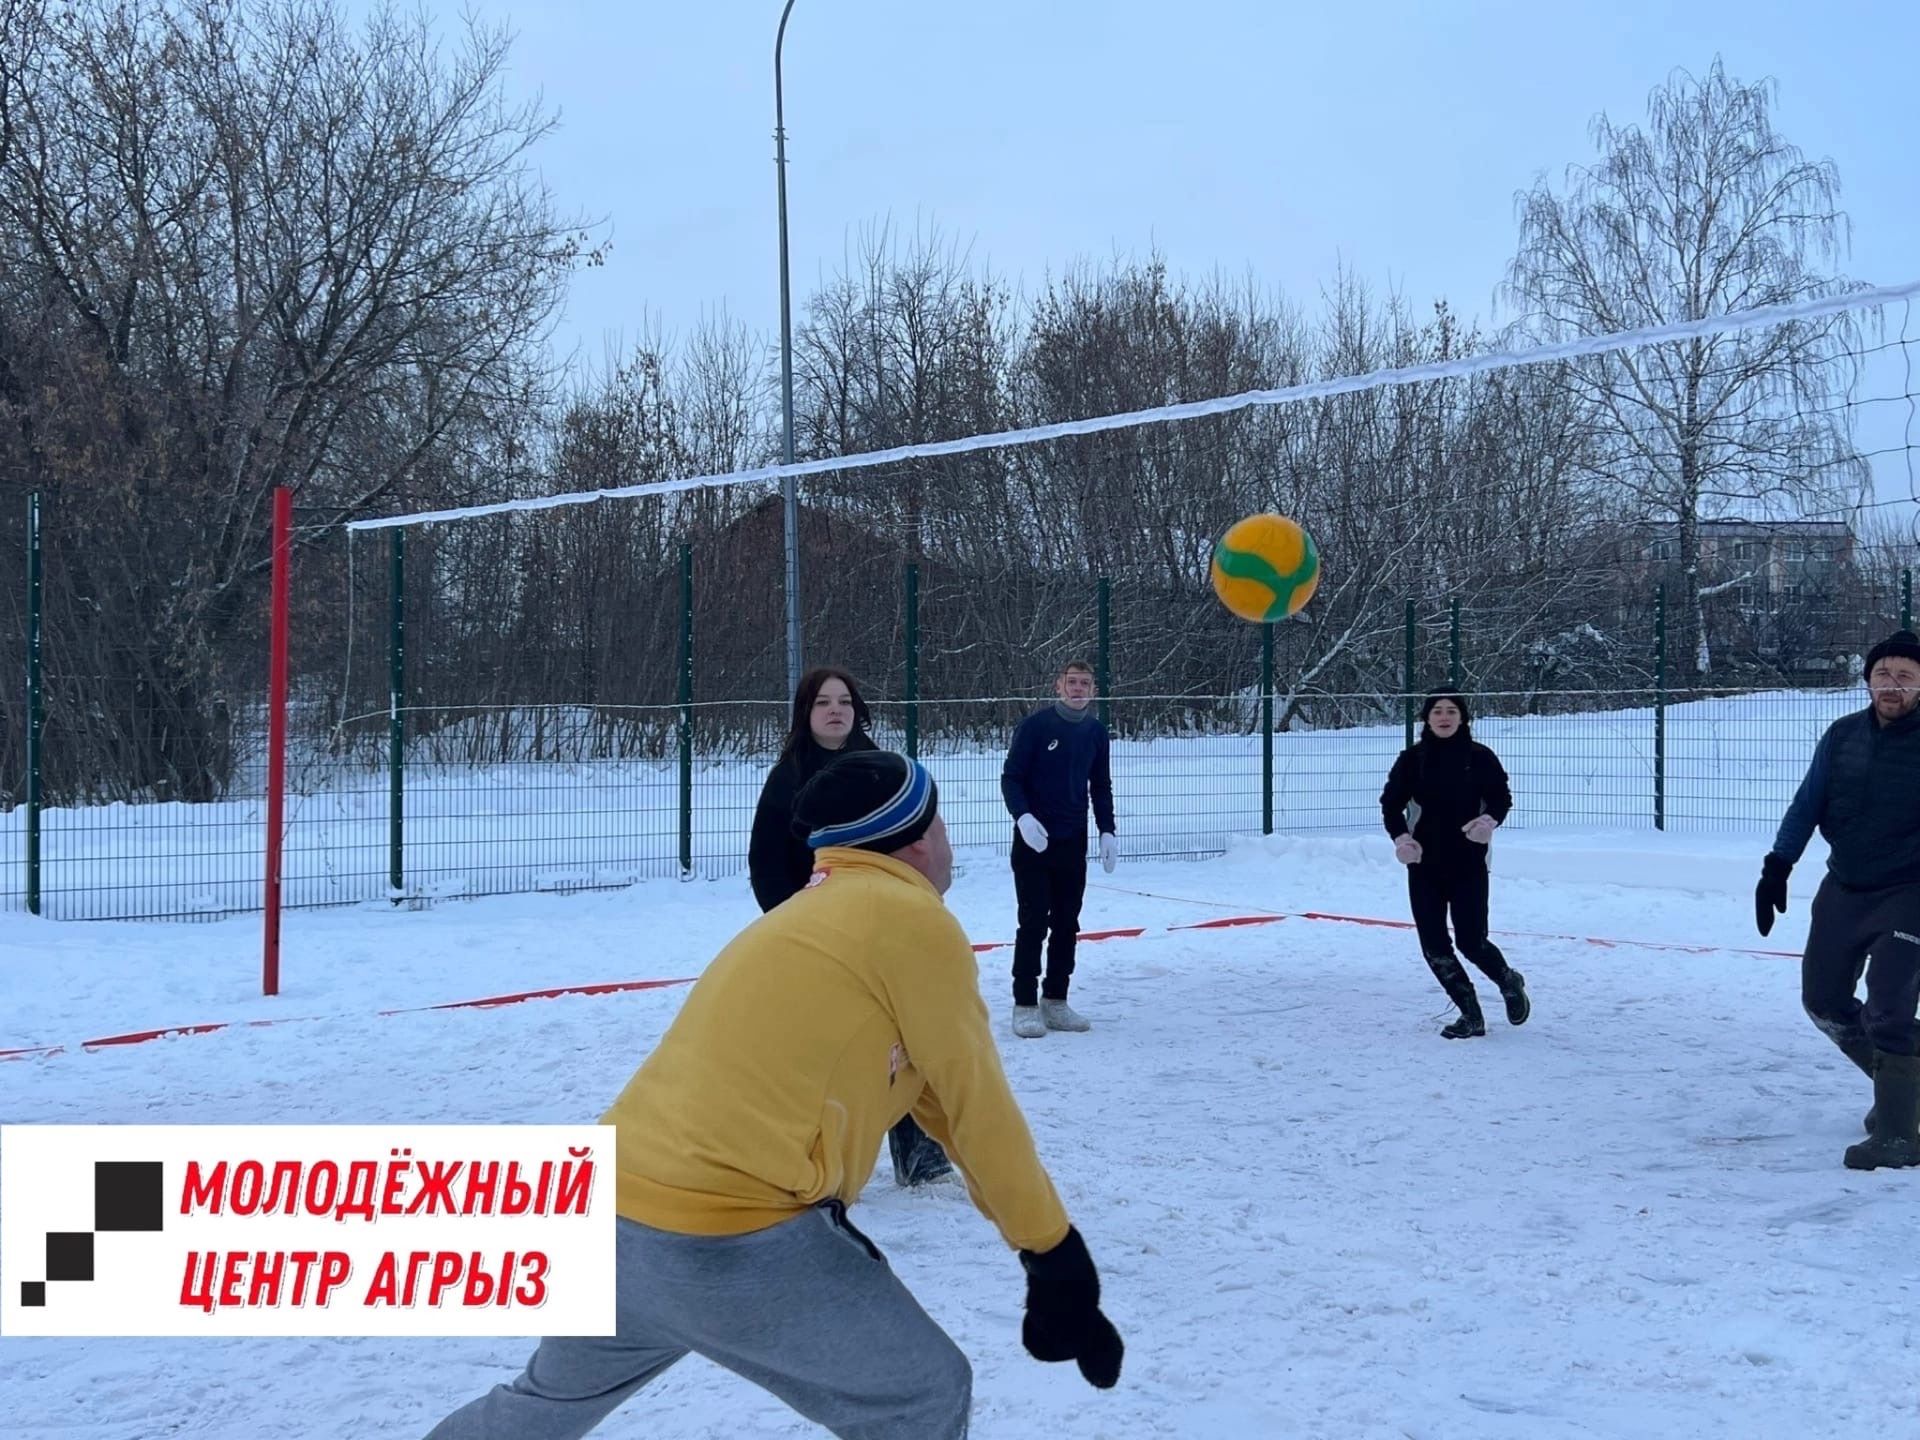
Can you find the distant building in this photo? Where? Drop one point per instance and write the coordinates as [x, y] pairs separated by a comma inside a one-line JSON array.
[[1786, 594], [1763, 561]]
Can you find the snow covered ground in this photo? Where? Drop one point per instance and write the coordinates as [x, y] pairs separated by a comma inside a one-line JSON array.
[[1314, 1217]]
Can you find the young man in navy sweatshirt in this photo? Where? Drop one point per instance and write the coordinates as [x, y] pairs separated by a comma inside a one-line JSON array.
[[1057, 762]]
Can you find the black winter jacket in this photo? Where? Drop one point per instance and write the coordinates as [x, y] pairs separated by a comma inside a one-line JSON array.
[[778, 860], [1862, 792], [1451, 781]]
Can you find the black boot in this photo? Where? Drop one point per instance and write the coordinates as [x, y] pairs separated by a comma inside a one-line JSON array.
[[1453, 979], [917, 1156], [1896, 1112], [1859, 1050], [1470, 1024], [1487, 958], [1513, 989]]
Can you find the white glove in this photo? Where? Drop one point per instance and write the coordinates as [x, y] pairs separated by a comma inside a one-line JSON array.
[[1407, 850], [1109, 851], [1031, 831], [1480, 829]]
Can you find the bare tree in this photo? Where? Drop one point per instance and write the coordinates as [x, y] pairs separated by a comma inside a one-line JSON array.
[[246, 246], [1706, 211], [907, 345]]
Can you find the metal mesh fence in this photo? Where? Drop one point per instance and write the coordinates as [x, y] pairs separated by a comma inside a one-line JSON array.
[[587, 698], [603, 803]]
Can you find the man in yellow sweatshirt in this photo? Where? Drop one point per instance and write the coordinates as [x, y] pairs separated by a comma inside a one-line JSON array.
[[758, 1118]]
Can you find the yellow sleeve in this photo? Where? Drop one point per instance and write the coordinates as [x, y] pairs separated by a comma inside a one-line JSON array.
[[968, 1105]]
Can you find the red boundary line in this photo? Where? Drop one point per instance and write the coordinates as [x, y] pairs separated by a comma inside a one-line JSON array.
[[487, 1002], [1227, 921], [615, 987], [138, 1037], [491, 1002]]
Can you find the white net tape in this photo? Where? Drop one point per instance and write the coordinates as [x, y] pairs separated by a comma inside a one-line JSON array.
[[1586, 345]]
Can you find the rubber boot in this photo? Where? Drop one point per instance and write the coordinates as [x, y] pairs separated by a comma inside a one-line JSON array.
[[1859, 1050], [1895, 1143], [1453, 979]]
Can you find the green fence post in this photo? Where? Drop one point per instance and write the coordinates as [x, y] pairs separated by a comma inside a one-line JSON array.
[[1453, 642], [1407, 663], [1906, 599], [913, 661], [1660, 709], [1266, 728], [36, 717], [396, 711], [1106, 653], [686, 710]]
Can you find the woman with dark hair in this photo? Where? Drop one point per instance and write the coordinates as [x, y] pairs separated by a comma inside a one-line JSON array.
[[829, 720], [1444, 797]]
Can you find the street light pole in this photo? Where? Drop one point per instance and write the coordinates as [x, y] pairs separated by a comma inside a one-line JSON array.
[[788, 491]]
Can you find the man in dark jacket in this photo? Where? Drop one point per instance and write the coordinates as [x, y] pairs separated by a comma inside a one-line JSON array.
[[1862, 792], [1057, 762]]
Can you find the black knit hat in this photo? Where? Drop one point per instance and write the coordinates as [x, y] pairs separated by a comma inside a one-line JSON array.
[[1901, 645], [1433, 699], [868, 800]]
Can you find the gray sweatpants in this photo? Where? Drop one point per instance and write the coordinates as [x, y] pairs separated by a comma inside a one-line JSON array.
[[807, 1309]]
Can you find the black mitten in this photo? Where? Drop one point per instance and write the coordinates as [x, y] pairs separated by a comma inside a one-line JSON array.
[[1063, 1312], [1770, 895]]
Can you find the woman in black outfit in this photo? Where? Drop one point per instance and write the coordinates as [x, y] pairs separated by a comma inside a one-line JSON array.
[[1457, 793], [829, 719]]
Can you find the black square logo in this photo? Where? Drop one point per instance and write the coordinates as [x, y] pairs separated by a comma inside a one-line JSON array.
[[33, 1294], [127, 1195], [70, 1255]]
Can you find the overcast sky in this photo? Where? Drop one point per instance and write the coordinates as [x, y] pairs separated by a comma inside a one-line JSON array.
[[1255, 136]]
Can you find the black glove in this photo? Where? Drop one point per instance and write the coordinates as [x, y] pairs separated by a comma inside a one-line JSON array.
[[1770, 895], [1063, 1312]]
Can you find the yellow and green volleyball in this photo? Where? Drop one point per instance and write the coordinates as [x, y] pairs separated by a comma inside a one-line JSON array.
[[1265, 568]]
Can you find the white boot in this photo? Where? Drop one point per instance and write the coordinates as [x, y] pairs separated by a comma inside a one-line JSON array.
[[1027, 1023], [1058, 1015]]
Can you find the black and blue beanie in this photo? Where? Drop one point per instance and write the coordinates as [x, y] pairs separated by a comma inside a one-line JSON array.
[[866, 800]]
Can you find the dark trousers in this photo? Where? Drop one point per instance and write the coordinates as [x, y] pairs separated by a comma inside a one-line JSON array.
[[1453, 883], [1872, 931], [1048, 886]]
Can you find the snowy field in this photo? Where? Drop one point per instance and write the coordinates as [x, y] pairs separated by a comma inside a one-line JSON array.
[[1314, 1217]]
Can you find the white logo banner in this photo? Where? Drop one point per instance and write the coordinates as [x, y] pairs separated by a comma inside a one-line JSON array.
[[347, 1230]]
